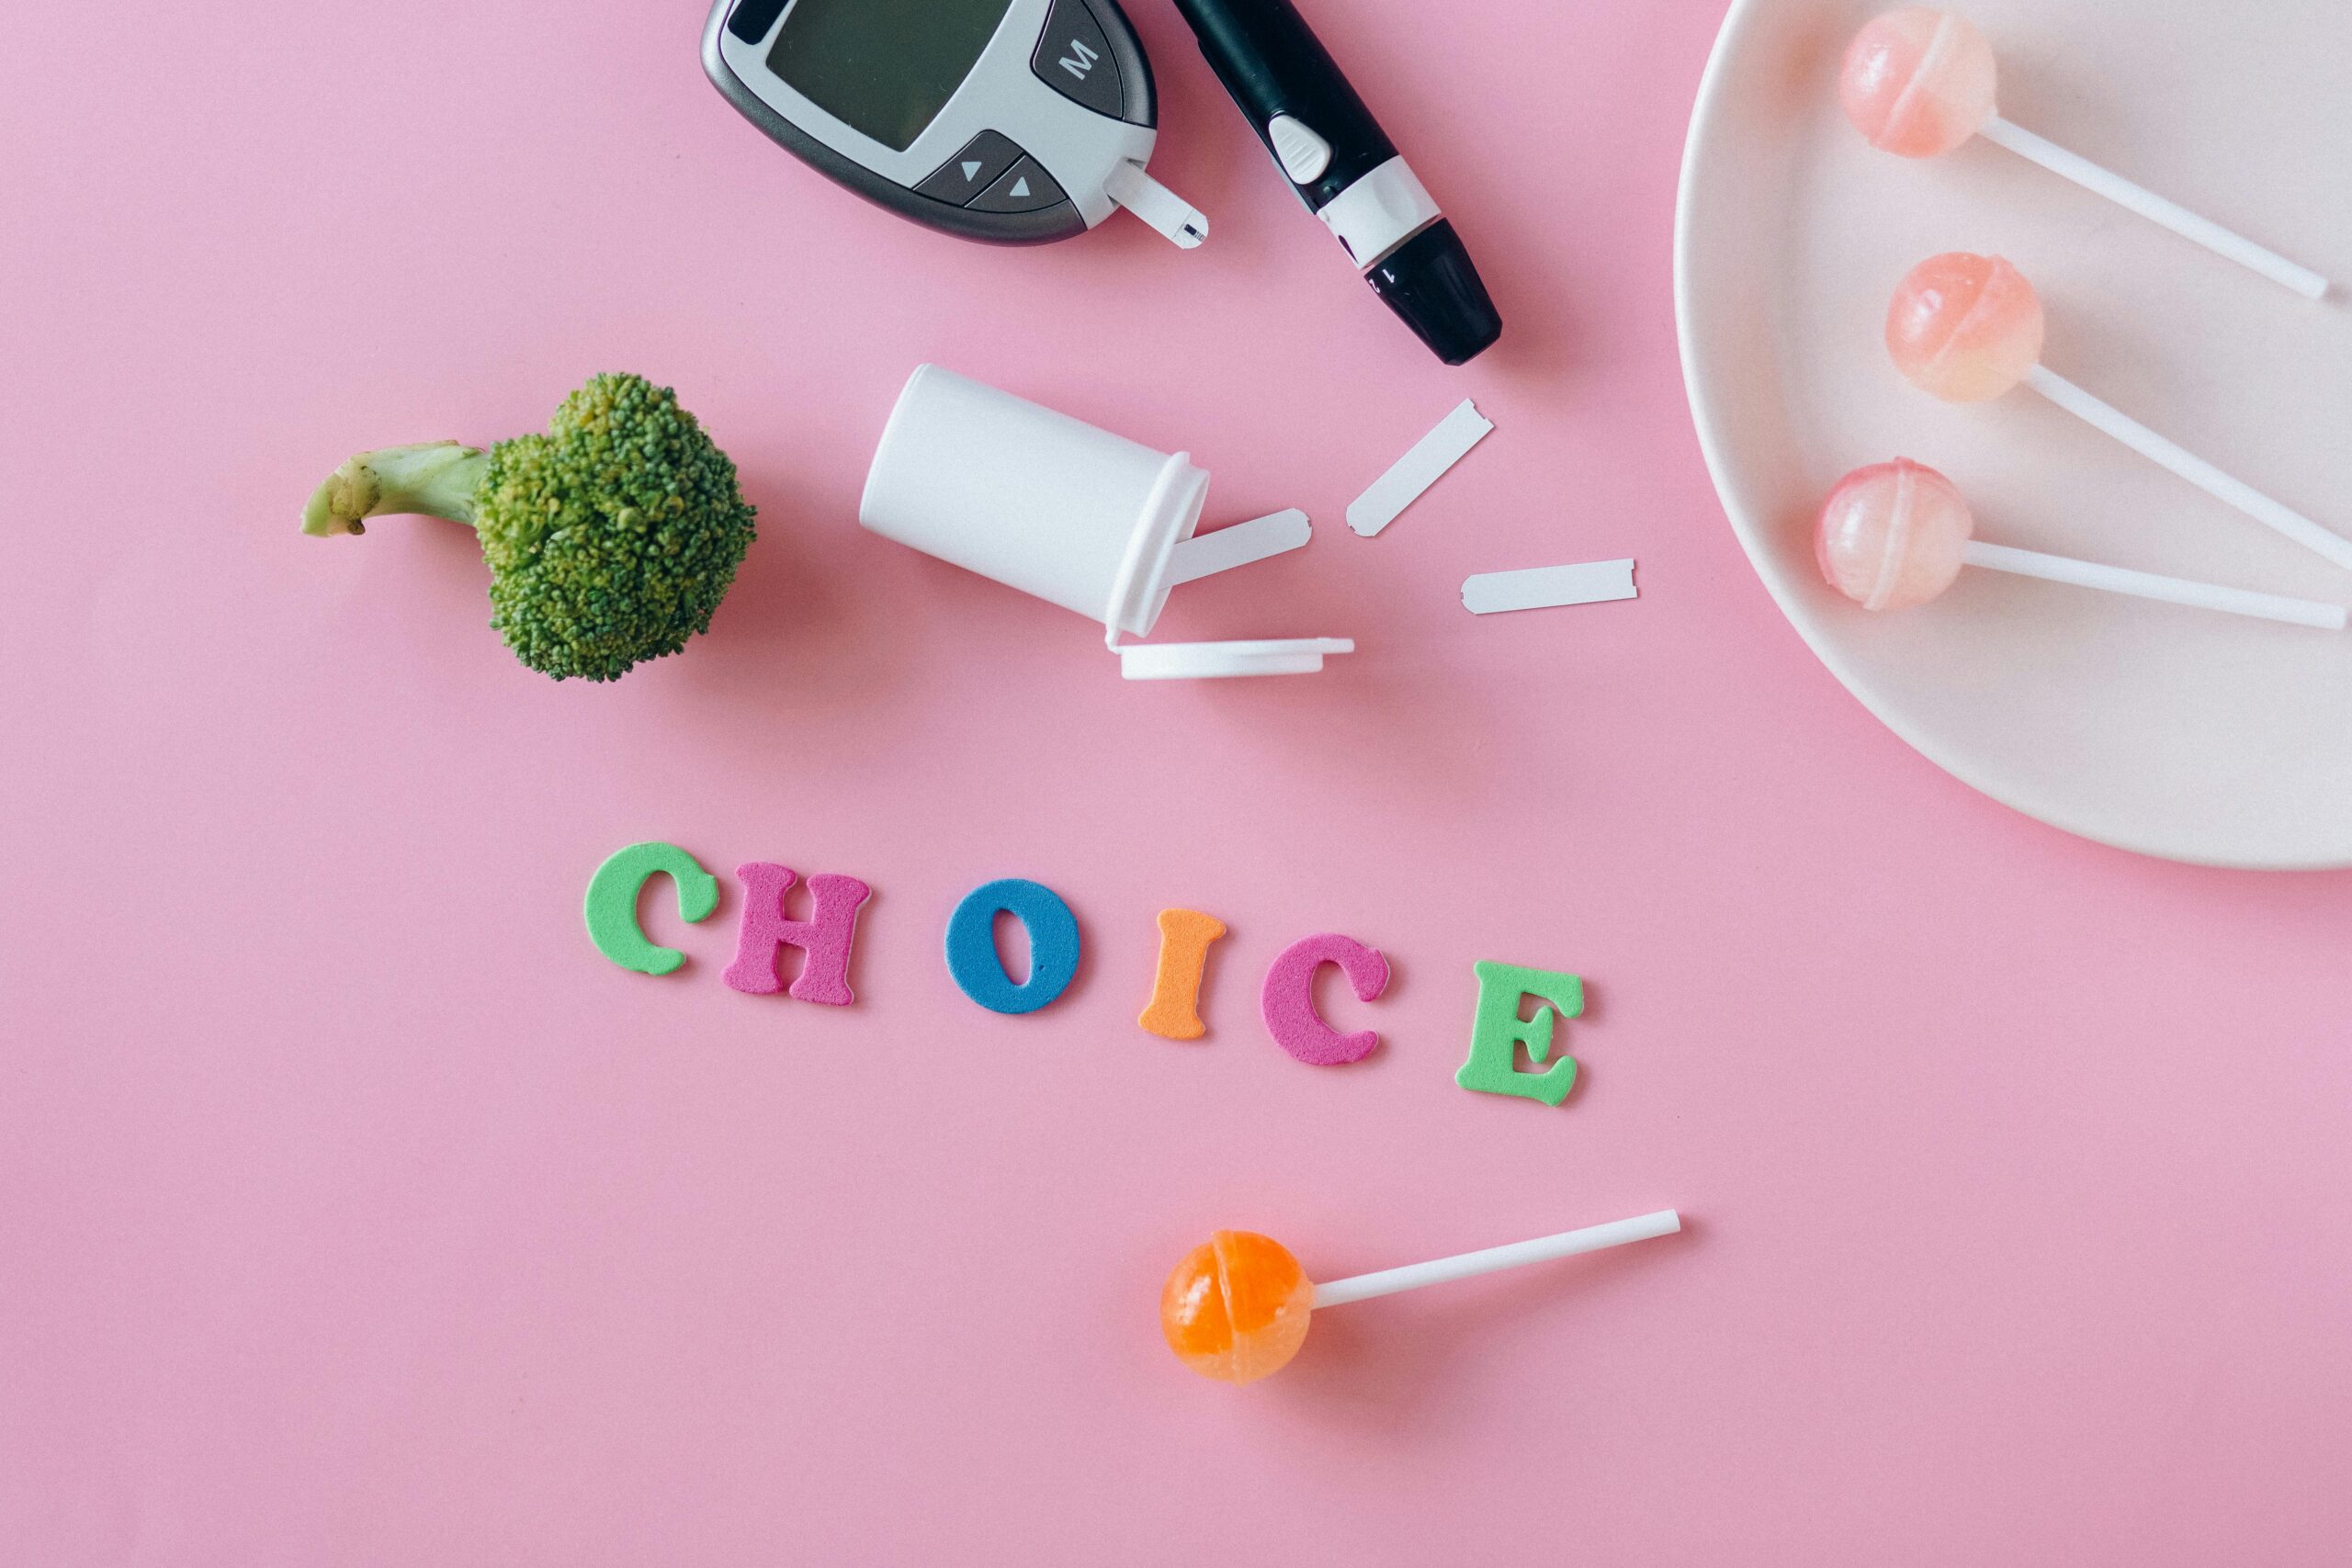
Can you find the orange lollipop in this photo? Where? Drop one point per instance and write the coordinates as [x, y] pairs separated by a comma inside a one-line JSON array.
[[1237, 1308]]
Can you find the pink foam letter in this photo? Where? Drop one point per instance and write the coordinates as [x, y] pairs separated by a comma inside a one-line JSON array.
[[1288, 1001], [825, 936]]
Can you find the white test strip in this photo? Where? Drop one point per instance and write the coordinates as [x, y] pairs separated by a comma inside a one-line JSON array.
[[1540, 587], [1171, 214], [1204, 554], [1419, 469]]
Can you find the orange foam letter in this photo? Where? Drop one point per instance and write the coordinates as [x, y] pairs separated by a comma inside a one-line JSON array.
[[1185, 938]]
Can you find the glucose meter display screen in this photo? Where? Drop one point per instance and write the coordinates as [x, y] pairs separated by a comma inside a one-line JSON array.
[[886, 67]]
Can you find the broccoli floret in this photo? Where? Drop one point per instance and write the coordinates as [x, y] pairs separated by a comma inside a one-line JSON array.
[[610, 539]]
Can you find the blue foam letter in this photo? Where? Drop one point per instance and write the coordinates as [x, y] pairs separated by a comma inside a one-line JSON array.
[[1052, 945]]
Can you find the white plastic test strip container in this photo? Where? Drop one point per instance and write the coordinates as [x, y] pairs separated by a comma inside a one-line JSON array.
[[1088, 520]]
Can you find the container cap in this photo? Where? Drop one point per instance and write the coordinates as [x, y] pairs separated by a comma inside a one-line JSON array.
[[1170, 515], [1217, 661]]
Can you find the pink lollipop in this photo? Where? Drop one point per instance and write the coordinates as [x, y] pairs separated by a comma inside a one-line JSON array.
[[1919, 82], [1969, 327], [1895, 534]]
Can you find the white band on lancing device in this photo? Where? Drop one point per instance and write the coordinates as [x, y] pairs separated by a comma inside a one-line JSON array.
[[1380, 212]]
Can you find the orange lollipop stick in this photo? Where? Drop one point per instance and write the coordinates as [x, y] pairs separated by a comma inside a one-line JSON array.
[[1237, 1308]]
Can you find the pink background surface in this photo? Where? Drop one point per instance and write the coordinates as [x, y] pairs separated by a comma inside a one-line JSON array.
[[352, 1210]]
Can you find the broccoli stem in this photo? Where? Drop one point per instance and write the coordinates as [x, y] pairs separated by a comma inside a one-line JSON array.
[[435, 480]]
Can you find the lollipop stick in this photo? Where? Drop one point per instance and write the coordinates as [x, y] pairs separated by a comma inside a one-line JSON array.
[[2190, 467], [2151, 205], [1592, 1238], [2148, 585]]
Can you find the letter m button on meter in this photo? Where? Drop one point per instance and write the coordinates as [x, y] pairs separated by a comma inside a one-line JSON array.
[[1014, 121]]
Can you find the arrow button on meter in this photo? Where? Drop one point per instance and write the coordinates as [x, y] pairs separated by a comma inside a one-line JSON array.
[[1025, 188], [983, 159]]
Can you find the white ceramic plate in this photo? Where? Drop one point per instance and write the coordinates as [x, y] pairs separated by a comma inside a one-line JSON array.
[[2173, 732]]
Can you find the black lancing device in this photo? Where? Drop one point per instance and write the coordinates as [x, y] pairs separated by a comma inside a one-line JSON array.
[[1345, 170]]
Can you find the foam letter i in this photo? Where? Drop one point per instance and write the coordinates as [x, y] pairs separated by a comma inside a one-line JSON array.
[[1185, 936]]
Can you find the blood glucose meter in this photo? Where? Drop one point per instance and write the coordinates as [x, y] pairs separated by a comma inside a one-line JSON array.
[[1011, 122]]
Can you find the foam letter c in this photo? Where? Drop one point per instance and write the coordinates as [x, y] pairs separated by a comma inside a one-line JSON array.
[[1288, 1001], [610, 907]]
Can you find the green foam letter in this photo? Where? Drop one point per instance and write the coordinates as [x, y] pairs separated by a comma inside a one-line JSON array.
[[612, 904], [1493, 1066]]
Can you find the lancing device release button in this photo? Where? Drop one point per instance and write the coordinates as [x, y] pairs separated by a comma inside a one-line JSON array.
[[1304, 154]]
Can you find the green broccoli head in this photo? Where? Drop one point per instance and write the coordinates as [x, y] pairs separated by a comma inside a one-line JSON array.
[[610, 539]]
